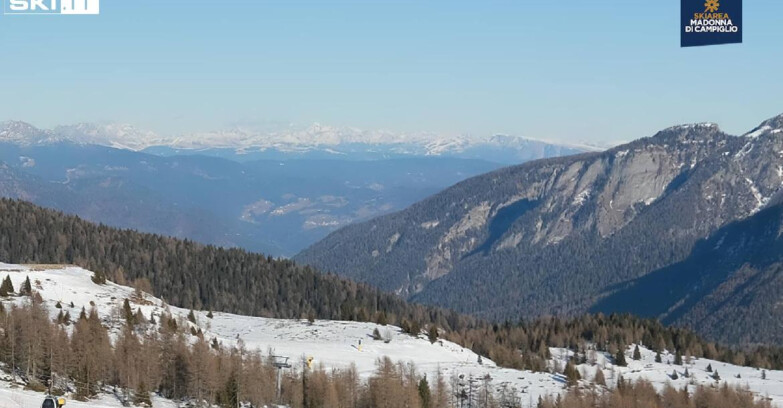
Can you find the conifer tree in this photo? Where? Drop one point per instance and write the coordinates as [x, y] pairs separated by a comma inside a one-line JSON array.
[[139, 318], [658, 357], [27, 288], [424, 393], [7, 288], [619, 358], [381, 319], [99, 278], [709, 368], [572, 374], [599, 377], [142, 396], [91, 352], [621, 384], [637, 354], [127, 313], [677, 358], [432, 334]]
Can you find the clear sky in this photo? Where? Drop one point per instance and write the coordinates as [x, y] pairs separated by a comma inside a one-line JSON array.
[[601, 70]]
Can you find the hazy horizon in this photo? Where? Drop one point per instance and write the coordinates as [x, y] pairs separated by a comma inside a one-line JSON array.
[[560, 71]]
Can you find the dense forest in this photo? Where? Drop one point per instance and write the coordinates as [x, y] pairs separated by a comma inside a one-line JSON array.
[[196, 276]]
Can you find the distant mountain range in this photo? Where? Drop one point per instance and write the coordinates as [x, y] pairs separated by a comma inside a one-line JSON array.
[[225, 195], [683, 226], [315, 142]]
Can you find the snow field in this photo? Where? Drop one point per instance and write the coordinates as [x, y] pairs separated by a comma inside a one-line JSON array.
[[336, 344]]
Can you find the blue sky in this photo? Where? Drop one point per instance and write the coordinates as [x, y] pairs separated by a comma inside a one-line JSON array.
[[565, 70]]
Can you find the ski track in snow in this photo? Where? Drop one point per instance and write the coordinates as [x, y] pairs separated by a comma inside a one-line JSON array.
[[335, 344]]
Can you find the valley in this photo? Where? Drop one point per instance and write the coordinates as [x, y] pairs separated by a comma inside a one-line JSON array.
[[249, 197]]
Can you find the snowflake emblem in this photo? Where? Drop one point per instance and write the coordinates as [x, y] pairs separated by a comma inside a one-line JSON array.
[[711, 6]]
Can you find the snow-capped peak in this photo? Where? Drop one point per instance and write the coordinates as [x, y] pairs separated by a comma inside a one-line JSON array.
[[117, 135], [23, 133], [769, 126], [315, 137]]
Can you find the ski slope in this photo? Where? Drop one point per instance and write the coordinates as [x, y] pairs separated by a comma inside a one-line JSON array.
[[340, 344], [17, 397]]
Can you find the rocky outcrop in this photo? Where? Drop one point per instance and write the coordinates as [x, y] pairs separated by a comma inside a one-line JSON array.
[[554, 235]]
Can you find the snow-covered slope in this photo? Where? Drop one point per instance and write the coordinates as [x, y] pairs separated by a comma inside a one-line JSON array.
[[335, 344], [16, 397], [660, 374]]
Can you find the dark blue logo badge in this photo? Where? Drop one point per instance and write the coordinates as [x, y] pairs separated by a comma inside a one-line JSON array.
[[710, 22]]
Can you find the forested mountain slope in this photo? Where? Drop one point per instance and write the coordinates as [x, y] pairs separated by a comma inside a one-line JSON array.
[[553, 236], [202, 277], [730, 287], [192, 275]]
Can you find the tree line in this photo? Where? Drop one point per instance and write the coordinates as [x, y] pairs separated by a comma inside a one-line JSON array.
[[164, 355], [642, 394], [525, 345], [204, 277]]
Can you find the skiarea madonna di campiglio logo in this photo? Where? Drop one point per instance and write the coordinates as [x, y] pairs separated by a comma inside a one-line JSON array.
[[711, 22]]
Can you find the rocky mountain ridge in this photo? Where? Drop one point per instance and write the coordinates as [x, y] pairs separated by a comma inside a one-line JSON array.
[[553, 236]]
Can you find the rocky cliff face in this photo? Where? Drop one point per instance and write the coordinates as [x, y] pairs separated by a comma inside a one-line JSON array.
[[554, 236]]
